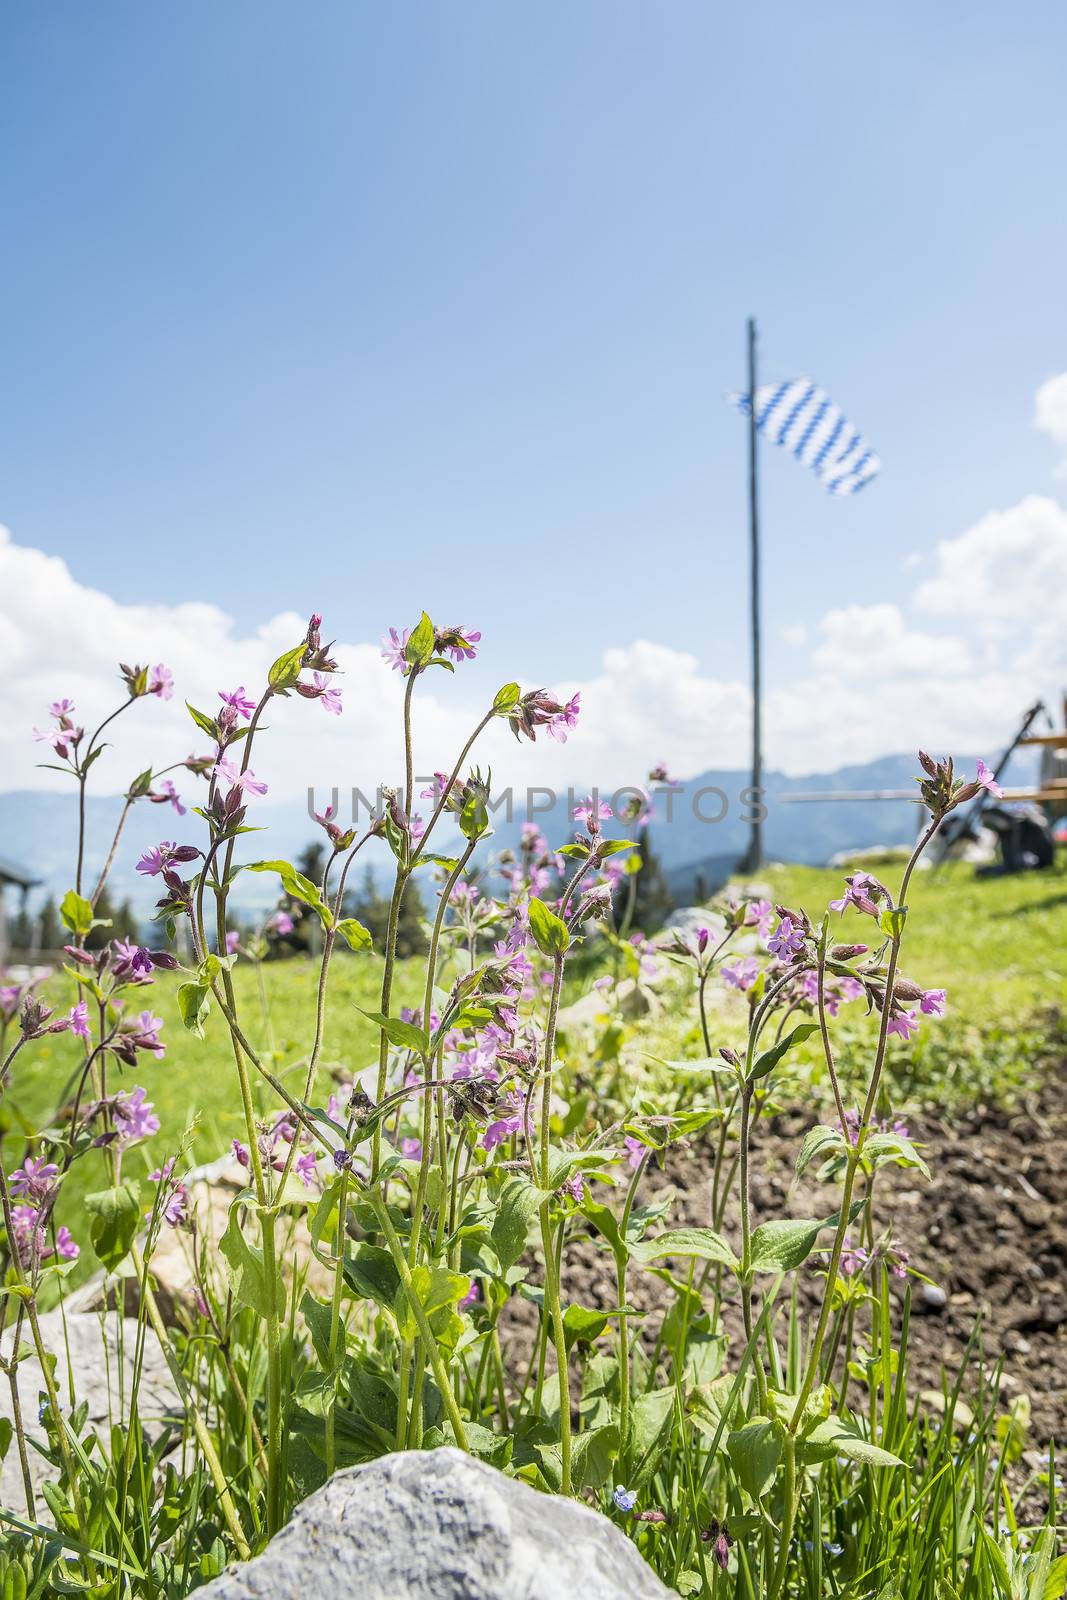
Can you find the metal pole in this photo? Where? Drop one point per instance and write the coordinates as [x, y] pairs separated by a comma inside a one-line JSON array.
[[754, 859]]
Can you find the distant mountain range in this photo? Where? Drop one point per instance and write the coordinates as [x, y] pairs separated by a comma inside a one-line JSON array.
[[702, 838]]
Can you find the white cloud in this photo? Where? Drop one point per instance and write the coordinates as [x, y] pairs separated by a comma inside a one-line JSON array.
[[58, 637], [1050, 413], [983, 632], [876, 642]]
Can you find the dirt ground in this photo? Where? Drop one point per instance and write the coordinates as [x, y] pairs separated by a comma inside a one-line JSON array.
[[990, 1230]]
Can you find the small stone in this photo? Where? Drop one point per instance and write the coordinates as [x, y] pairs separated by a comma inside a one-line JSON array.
[[934, 1297]]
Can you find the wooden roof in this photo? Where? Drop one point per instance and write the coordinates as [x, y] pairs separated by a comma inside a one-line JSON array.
[[9, 873]]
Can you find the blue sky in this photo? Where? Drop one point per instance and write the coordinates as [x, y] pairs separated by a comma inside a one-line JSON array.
[[367, 308]]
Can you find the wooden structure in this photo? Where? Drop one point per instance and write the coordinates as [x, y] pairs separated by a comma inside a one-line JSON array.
[[1050, 790], [12, 877]]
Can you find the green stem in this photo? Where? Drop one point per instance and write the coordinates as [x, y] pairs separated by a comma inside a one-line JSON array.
[[552, 1294], [621, 1262], [789, 1497], [746, 1234], [335, 1325], [427, 1062], [192, 1410], [856, 1151], [418, 1311]]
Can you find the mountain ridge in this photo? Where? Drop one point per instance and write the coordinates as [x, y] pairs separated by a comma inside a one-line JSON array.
[[37, 826]]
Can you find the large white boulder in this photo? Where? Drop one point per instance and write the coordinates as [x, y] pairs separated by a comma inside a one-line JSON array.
[[439, 1525]]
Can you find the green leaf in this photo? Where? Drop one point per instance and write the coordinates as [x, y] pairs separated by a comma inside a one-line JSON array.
[[297, 886], [355, 935], [507, 697], [194, 1004], [495, 1448], [371, 1275], [439, 1292], [519, 1203], [592, 1456], [286, 670], [881, 1148], [1048, 1578], [892, 922], [1055, 1585], [819, 1143], [405, 1035], [702, 1243], [419, 647], [582, 1326], [140, 785], [116, 1215], [76, 912], [549, 931], [474, 817], [707, 1064], [840, 1438], [781, 1246], [203, 722], [210, 968], [446, 863], [246, 1269], [755, 1451], [770, 1058], [605, 1222], [614, 847], [652, 1430], [318, 1314]]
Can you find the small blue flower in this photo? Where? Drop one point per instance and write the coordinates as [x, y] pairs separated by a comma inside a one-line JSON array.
[[625, 1499], [834, 1549]]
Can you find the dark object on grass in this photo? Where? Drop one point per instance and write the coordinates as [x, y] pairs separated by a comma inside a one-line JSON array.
[[1024, 836]]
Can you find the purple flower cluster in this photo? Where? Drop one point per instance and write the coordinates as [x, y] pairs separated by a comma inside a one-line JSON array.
[[174, 1196], [459, 643], [787, 941], [66, 736], [33, 1183], [539, 709], [135, 1117]]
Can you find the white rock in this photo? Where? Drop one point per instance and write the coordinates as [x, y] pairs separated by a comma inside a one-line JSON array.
[[439, 1525], [103, 1376]]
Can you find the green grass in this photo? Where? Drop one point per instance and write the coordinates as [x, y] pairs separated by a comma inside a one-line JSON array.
[[995, 945], [195, 1083]]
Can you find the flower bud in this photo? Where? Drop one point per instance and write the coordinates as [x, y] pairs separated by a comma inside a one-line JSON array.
[[35, 1015], [846, 952]]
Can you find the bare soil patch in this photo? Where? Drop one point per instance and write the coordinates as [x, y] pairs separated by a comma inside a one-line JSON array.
[[990, 1230]]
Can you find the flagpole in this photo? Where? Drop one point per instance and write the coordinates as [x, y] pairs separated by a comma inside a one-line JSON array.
[[754, 858]]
